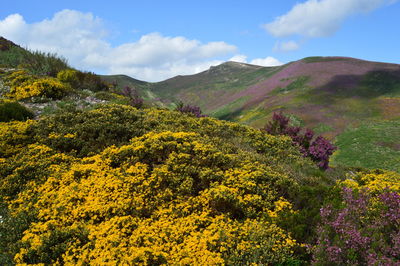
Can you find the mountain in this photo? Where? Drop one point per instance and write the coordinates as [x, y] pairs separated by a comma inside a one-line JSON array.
[[355, 103], [325, 93]]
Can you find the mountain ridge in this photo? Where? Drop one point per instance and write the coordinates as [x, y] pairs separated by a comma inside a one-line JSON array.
[[250, 94]]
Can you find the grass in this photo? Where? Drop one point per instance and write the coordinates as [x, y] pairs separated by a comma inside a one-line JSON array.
[[322, 128], [298, 83], [34, 61], [316, 59], [372, 145], [228, 111]]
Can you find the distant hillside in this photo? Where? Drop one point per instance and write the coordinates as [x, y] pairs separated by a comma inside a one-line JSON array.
[[331, 95], [326, 93]]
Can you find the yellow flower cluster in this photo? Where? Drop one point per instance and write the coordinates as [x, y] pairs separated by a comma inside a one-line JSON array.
[[165, 198], [23, 86], [374, 180], [14, 136]]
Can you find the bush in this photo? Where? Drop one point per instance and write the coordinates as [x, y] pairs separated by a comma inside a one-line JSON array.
[[69, 76], [318, 149], [134, 99], [365, 231], [10, 110], [40, 63], [24, 86], [90, 81], [165, 197], [189, 109], [127, 185]]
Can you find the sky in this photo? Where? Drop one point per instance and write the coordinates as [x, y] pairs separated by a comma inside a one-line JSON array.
[[154, 40]]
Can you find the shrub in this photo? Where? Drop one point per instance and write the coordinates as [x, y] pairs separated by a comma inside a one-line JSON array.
[[189, 109], [134, 99], [360, 222], [40, 63], [24, 86], [69, 76], [318, 149], [364, 231], [90, 81], [10, 110], [165, 198], [127, 185]]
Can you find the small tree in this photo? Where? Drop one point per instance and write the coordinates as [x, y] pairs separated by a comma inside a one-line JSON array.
[[318, 149]]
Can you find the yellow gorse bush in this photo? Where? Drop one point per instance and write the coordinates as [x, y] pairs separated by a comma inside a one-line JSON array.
[[118, 185], [374, 180], [164, 198], [23, 86]]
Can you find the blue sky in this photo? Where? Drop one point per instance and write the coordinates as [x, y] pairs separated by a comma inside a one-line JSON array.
[[155, 40]]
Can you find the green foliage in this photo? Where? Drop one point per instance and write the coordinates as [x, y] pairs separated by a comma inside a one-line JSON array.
[[91, 81], [37, 63], [69, 76], [40, 63], [10, 110], [12, 57]]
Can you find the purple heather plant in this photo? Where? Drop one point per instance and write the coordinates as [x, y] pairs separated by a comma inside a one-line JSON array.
[[364, 231], [133, 95], [318, 149], [190, 109]]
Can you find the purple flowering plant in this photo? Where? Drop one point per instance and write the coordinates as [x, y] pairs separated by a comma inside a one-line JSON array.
[[365, 230], [317, 148], [189, 109]]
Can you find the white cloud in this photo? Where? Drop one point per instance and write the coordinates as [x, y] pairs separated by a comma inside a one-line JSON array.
[[267, 61], [239, 58], [286, 46], [320, 18], [81, 38]]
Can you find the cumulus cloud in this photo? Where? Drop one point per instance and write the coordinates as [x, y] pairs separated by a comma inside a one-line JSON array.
[[319, 18], [286, 46], [267, 61], [81, 38]]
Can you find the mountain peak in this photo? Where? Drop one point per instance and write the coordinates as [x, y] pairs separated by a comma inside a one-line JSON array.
[[231, 66]]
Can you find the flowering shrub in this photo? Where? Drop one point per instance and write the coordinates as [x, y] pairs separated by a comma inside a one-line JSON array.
[[134, 99], [69, 76], [23, 86], [164, 198], [318, 149], [82, 80], [121, 185], [14, 136], [364, 227], [190, 109]]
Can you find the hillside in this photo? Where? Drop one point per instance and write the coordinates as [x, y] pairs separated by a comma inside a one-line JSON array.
[[321, 91], [327, 94]]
